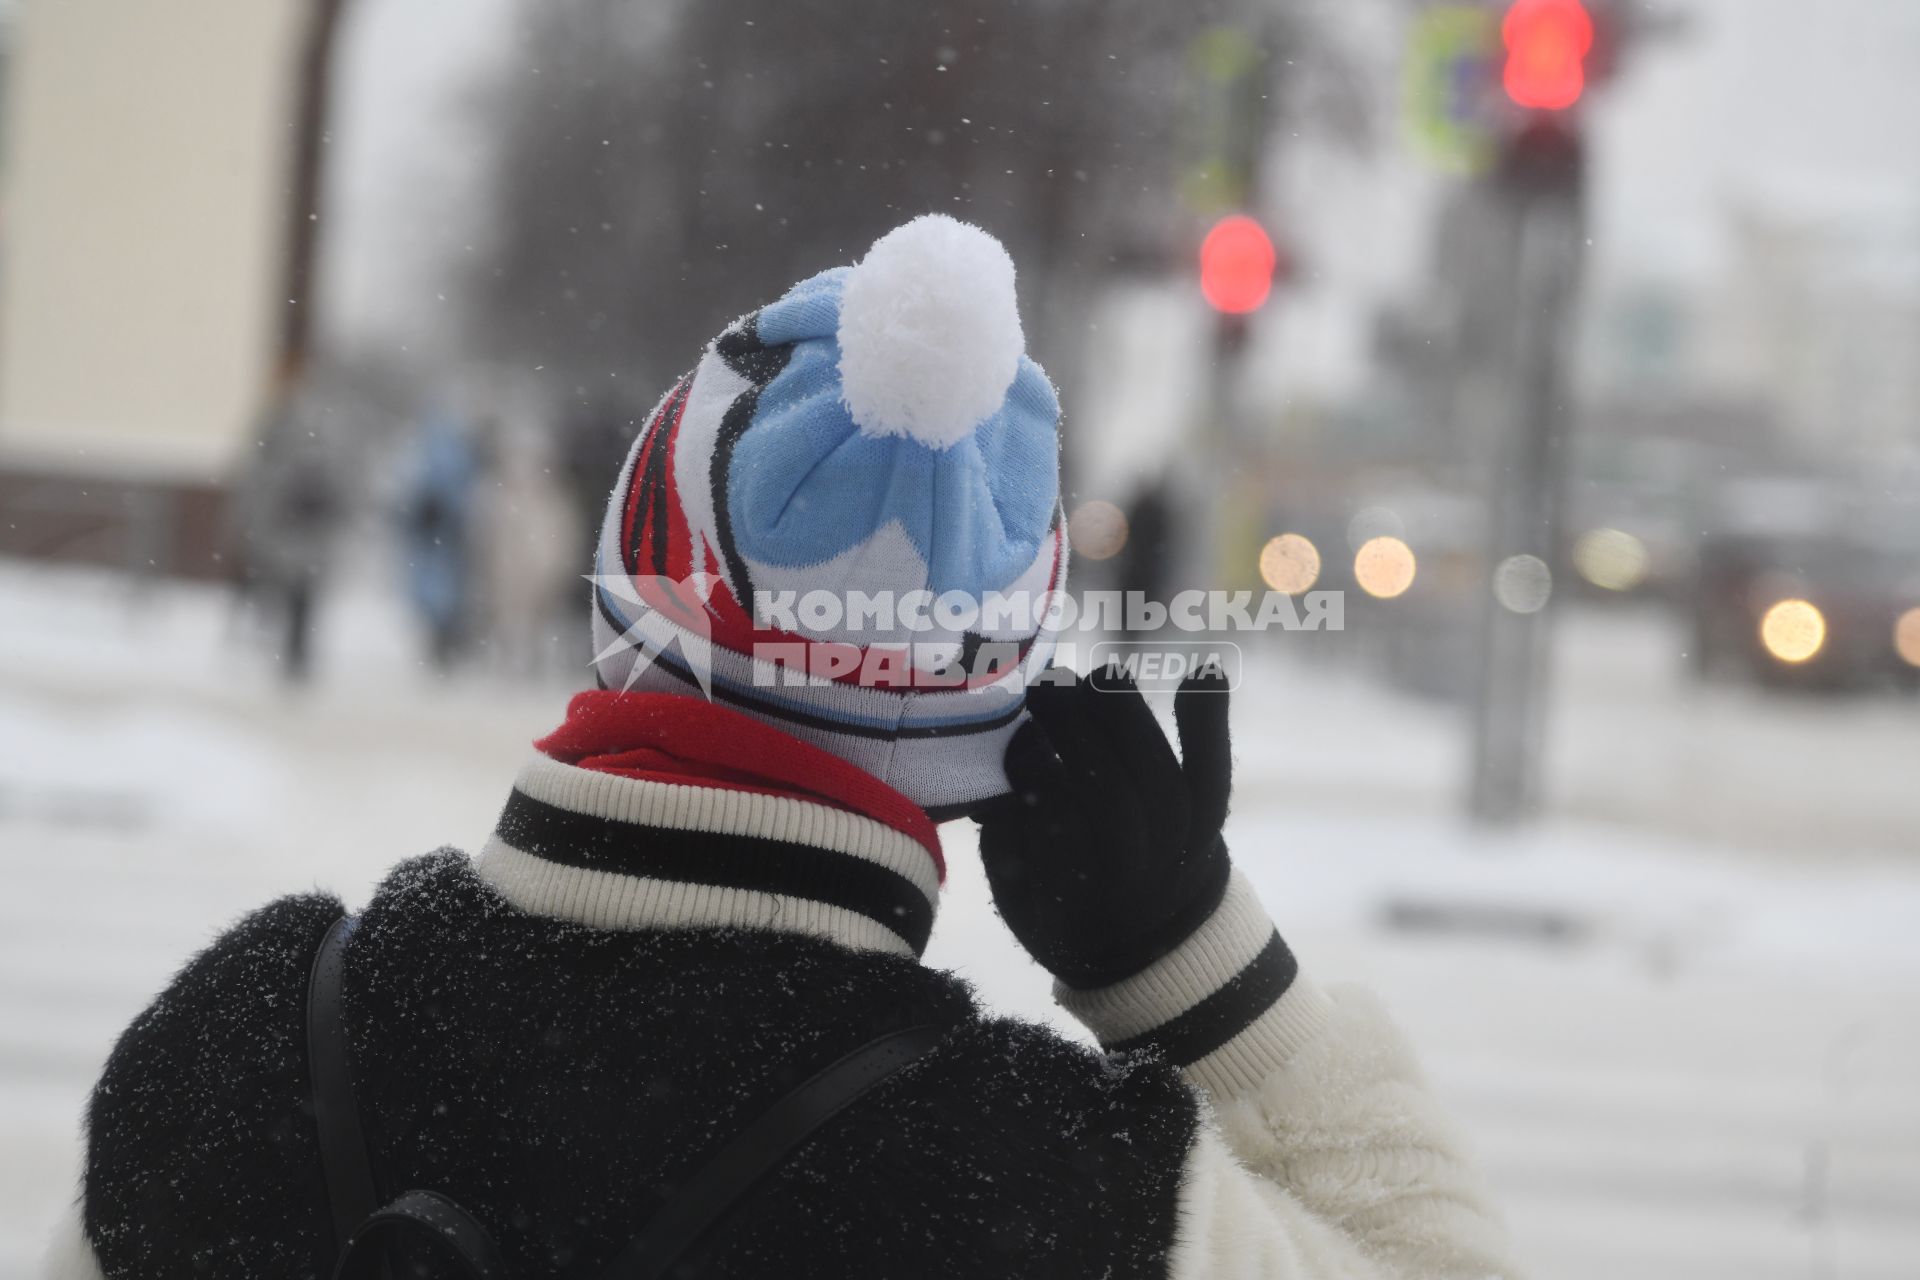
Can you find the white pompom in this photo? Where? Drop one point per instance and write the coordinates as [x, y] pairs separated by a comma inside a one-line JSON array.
[[929, 332]]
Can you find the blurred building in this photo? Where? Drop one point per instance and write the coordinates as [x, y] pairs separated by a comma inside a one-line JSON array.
[[1823, 317], [147, 155], [1811, 323]]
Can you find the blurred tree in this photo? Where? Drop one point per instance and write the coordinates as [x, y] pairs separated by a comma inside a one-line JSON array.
[[304, 188], [663, 168]]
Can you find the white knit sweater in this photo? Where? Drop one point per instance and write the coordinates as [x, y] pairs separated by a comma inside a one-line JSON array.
[[1325, 1156]]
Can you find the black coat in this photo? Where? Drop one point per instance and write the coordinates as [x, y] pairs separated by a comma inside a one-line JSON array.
[[561, 1081]]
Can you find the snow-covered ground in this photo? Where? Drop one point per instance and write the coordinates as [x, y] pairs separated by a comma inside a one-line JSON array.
[[1681, 1020]]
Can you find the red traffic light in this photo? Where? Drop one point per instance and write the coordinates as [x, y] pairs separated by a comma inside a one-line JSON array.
[[1547, 43], [1236, 265]]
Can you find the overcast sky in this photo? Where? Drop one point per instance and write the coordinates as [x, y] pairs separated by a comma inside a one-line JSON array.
[[1809, 108], [405, 150]]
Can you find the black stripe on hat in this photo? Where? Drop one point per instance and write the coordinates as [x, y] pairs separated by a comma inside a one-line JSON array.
[[1197, 1031], [746, 355], [727, 860]]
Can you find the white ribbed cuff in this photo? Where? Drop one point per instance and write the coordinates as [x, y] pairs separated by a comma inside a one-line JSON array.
[[1164, 1002], [1237, 931], [1267, 1043]]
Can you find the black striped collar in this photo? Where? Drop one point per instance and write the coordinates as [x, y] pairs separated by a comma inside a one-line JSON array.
[[626, 853]]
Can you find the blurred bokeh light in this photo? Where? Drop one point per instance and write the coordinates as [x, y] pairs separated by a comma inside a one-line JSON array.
[[1523, 583], [1289, 563], [1793, 630], [1611, 559], [1097, 530], [1384, 567], [1906, 637]]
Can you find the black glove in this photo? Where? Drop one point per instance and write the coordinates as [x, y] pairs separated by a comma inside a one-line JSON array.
[[1107, 855]]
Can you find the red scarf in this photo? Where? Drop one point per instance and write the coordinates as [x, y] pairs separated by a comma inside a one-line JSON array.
[[666, 737]]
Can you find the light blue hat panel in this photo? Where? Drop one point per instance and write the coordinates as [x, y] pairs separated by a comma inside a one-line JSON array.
[[805, 484], [994, 494], [811, 309]]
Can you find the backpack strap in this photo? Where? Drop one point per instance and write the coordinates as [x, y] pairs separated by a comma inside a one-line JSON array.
[[762, 1147], [351, 1197], [363, 1230]]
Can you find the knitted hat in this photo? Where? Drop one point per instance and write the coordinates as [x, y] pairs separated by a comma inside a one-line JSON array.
[[846, 520]]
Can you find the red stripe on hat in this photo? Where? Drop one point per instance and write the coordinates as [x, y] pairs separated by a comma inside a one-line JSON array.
[[669, 737], [636, 540]]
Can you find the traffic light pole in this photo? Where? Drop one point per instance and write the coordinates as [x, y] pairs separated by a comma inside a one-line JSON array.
[[1535, 197]]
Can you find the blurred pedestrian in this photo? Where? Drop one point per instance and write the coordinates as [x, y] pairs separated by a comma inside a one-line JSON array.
[[594, 437], [436, 507], [1146, 560], [527, 544], [287, 510]]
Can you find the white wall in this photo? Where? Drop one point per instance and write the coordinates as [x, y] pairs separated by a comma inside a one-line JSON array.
[[147, 159]]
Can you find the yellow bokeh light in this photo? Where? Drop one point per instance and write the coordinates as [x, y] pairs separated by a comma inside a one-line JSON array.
[[1906, 637], [1611, 559], [1793, 630], [1289, 563], [1098, 530], [1384, 567]]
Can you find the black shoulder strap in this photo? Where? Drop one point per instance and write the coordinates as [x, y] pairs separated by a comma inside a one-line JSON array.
[[343, 1146], [362, 1229], [759, 1149]]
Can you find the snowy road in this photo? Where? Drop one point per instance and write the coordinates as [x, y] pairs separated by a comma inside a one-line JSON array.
[[1708, 1070]]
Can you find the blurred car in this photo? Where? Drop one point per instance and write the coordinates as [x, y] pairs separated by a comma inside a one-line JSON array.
[[1830, 609]]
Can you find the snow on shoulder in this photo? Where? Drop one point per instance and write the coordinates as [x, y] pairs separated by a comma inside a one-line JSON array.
[[929, 332]]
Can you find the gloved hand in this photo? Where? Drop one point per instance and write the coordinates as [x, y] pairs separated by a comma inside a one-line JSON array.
[[1107, 854]]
